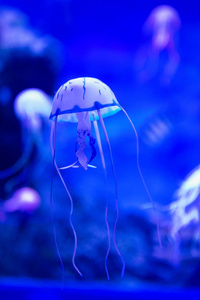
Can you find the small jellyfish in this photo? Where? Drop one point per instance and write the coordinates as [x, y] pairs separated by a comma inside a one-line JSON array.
[[87, 100], [161, 28], [185, 210], [16, 32], [32, 108], [24, 199]]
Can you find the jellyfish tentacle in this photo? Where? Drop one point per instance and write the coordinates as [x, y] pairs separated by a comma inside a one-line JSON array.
[[106, 184], [74, 165], [53, 148], [69, 166], [141, 175], [20, 163], [15, 181], [99, 142], [116, 192], [19, 166]]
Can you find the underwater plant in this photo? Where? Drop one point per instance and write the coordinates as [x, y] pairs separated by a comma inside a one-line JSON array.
[[87, 100]]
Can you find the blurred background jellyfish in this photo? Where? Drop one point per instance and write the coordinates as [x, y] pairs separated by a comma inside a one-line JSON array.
[[179, 221], [15, 30], [28, 60], [160, 28], [27, 57], [24, 199], [32, 108], [185, 211], [85, 100]]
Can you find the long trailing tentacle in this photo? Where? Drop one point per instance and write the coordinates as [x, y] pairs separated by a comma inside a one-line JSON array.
[[20, 163], [53, 150], [19, 167], [106, 184], [141, 175], [71, 201], [116, 191]]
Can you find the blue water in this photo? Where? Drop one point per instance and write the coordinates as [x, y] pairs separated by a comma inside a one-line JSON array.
[[101, 40]]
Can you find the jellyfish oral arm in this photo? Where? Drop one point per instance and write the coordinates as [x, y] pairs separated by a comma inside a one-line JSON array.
[[84, 130]]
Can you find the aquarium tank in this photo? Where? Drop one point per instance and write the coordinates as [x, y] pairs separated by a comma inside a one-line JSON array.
[[100, 142]]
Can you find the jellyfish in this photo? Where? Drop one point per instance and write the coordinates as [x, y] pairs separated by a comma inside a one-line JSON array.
[[32, 108], [185, 209], [24, 199], [183, 217], [161, 27], [16, 32], [87, 100]]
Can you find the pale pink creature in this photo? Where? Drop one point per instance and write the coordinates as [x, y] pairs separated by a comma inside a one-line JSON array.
[[84, 101], [185, 210], [161, 28], [32, 107], [15, 32], [24, 199], [184, 215]]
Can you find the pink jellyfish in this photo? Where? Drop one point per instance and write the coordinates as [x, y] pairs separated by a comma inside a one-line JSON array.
[[185, 210], [161, 26], [32, 107], [85, 100], [24, 199], [184, 216]]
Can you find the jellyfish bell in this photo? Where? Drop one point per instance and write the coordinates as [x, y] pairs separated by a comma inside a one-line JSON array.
[[30, 106], [164, 14], [80, 100], [81, 95], [24, 199], [164, 21]]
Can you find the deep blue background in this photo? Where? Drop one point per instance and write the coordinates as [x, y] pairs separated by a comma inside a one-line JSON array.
[[100, 39]]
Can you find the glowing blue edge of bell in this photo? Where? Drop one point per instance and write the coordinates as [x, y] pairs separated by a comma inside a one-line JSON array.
[[96, 106]]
